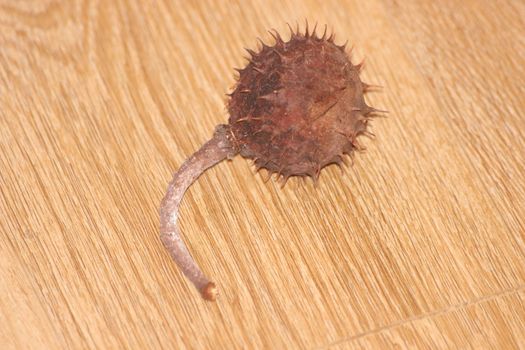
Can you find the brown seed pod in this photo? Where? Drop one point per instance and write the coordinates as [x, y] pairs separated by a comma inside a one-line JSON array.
[[297, 107]]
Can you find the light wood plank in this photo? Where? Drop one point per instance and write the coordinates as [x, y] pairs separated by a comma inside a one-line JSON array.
[[101, 101]]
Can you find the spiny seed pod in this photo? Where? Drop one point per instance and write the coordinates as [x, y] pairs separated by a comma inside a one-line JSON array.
[[297, 107]]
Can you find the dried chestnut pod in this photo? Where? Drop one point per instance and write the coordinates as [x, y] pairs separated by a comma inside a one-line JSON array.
[[297, 107]]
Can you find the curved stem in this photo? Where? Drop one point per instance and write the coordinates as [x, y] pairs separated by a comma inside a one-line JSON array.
[[211, 153]]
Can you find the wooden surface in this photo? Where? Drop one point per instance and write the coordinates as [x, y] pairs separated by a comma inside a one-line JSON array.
[[420, 244]]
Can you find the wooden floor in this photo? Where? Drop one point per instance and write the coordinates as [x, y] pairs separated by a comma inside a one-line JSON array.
[[421, 244]]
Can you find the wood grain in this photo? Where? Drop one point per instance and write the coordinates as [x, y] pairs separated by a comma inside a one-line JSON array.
[[420, 244]]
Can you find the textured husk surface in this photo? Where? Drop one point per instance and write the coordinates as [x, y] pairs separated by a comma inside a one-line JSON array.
[[298, 106]]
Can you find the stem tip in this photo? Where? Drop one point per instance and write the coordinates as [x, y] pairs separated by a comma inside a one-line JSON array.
[[210, 292]]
